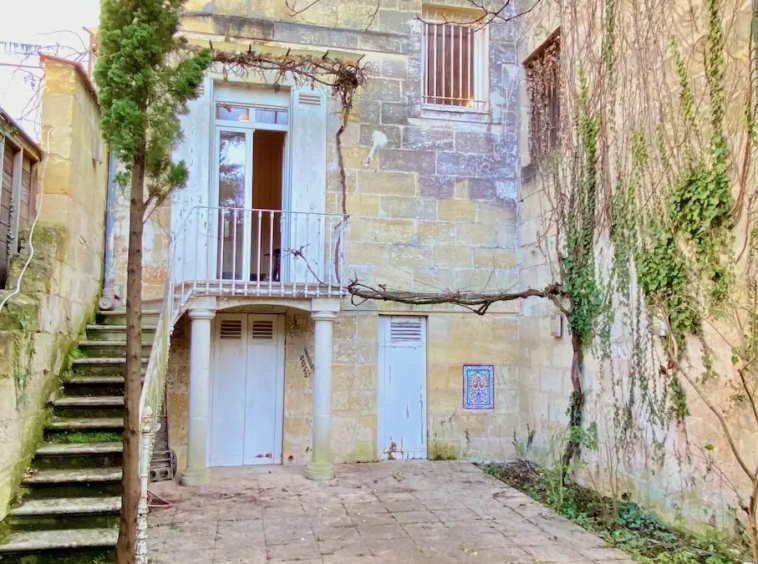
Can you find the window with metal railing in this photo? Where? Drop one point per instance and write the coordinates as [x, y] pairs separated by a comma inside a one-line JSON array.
[[455, 58]]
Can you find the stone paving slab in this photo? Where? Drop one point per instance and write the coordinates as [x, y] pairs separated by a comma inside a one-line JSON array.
[[400, 512]]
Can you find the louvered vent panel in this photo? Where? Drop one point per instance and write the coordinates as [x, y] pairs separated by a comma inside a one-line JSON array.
[[231, 329], [405, 330], [310, 99], [263, 330]]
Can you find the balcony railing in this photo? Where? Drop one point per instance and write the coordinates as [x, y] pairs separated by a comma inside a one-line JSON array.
[[251, 252]]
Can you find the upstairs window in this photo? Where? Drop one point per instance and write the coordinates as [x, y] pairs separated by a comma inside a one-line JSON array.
[[543, 83], [455, 58]]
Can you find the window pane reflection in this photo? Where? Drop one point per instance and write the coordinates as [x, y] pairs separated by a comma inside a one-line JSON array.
[[232, 113]]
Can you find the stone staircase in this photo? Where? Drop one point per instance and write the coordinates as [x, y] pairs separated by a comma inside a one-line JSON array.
[[71, 496]]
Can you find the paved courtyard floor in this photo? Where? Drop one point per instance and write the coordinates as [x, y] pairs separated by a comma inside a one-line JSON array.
[[393, 512]]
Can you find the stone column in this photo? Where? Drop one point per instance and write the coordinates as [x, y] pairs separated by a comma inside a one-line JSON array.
[[197, 472], [320, 467]]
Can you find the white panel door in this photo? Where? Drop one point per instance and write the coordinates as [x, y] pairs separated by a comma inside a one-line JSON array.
[[229, 380], [402, 388], [247, 403], [265, 390], [308, 184]]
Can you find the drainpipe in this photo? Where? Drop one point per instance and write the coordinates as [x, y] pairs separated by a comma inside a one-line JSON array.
[[109, 297]]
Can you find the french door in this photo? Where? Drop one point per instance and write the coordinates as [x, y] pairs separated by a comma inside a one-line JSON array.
[[233, 220]]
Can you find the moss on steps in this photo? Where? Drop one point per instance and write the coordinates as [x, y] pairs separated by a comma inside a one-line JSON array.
[[79, 437], [97, 556]]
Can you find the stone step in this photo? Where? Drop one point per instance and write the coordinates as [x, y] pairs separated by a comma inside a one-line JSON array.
[[117, 332], [149, 317], [67, 506], [38, 541], [101, 366], [104, 380], [79, 449], [97, 379], [110, 349], [72, 476], [84, 423], [95, 385], [93, 401]]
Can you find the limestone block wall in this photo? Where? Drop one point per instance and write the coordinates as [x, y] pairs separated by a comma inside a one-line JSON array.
[[177, 390], [59, 290], [74, 183], [434, 210]]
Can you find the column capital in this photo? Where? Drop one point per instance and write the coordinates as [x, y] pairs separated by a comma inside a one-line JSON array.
[[201, 314], [325, 304], [323, 315]]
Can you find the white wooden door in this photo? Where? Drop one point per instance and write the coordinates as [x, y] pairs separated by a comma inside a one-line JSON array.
[[402, 388], [265, 390], [229, 380], [247, 401]]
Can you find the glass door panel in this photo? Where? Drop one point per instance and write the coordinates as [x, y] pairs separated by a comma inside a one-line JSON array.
[[234, 192]]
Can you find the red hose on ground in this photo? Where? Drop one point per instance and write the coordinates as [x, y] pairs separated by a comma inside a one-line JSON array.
[[154, 501]]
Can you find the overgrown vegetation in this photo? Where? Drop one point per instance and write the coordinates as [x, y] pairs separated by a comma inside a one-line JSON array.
[[623, 524]]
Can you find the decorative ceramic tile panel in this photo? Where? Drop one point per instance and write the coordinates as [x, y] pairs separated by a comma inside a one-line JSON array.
[[478, 386]]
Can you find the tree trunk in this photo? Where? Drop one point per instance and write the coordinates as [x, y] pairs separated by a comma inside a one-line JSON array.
[[752, 528], [130, 482], [576, 409]]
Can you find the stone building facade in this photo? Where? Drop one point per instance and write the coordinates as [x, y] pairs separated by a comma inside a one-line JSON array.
[[432, 203], [440, 195]]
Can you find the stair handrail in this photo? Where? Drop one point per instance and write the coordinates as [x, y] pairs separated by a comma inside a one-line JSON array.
[[151, 402]]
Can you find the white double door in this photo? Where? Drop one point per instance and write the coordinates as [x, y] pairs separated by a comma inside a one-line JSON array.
[[247, 402]]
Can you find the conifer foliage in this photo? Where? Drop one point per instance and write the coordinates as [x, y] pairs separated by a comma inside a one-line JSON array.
[[145, 79]]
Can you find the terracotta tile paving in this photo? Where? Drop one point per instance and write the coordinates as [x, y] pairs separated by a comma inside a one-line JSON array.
[[394, 512]]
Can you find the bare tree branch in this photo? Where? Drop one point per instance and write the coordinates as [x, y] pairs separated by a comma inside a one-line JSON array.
[[477, 302]]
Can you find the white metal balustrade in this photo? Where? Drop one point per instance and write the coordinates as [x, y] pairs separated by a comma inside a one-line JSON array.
[[223, 251]]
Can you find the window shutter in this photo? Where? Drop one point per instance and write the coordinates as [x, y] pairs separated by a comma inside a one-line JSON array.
[[308, 181], [194, 150]]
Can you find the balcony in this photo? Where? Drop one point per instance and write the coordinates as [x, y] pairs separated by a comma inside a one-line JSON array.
[[237, 252]]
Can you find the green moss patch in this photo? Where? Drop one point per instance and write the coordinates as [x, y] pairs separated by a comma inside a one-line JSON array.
[[79, 557], [439, 450], [75, 438], [363, 452]]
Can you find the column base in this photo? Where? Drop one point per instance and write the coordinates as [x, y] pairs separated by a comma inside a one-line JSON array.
[[196, 477], [320, 471]]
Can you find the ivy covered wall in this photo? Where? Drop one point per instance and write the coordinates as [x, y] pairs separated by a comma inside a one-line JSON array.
[[642, 210]]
